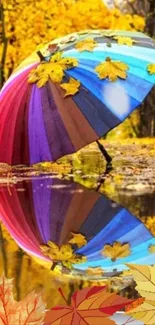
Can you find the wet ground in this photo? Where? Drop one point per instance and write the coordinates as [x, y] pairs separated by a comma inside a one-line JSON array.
[[130, 184]]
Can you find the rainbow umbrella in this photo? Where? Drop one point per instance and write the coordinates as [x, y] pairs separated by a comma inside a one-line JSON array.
[[48, 209], [71, 92]]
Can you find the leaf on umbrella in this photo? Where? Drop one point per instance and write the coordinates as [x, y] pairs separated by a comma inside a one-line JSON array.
[[112, 69], [108, 34], [71, 87], [152, 249], [28, 311], [86, 45], [122, 40], [151, 68], [63, 254], [90, 306], [95, 271], [78, 239], [117, 250]]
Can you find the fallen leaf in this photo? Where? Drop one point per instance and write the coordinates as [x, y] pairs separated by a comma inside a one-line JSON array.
[[86, 45], [64, 254], [151, 68], [144, 312], [78, 239], [28, 311], [122, 40], [145, 278], [152, 249], [115, 251], [90, 306], [95, 271], [71, 87], [112, 69]]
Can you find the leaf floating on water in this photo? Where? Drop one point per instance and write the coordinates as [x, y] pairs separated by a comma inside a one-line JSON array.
[[112, 69], [151, 68], [64, 254], [152, 249], [86, 45], [115, 251], [78, 239], [95, 271], [72, 87]]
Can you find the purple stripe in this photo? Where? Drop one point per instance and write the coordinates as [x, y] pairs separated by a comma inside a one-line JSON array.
[[38, 143], [61, 196], [58, 138], [51, 203], [42, 205]]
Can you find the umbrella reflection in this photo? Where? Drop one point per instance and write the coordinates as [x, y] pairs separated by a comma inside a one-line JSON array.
[[48, 209]]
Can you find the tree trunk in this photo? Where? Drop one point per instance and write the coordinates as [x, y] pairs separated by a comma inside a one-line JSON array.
[[146, 8]]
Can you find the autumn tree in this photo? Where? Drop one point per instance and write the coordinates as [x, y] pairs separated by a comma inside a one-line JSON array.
[[26, 24], [145, 8]]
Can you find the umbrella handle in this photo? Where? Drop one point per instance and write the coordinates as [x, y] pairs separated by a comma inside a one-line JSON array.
[[42, 58], [104, 152]]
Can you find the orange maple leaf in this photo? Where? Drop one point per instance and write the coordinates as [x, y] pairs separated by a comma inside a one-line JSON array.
[[90, 306], [28, 311]]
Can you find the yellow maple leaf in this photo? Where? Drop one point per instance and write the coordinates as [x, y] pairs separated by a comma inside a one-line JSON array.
[[53, 70], [30, 310], [78, 239], [63, 254], [86, 45], [151, 68], [112, 69], [145, 279], [95, 271], [115, 251], [71, 87], [122, 40], [152, 249]]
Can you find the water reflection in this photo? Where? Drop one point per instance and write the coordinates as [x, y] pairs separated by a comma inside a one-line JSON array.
[[47, 208]]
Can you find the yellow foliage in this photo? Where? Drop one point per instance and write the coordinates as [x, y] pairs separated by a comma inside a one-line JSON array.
[[53, 70], [86, 45], [145, 280], [151, 68], [117, 250], [78, 239], [124, 40], [29, 23], [63, 254], [112, 69], [72, 87]]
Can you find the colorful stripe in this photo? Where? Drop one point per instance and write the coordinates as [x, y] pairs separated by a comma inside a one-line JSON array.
[[41, 125]]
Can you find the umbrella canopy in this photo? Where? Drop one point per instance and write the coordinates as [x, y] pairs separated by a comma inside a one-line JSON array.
[[46, 209], [85, 85]]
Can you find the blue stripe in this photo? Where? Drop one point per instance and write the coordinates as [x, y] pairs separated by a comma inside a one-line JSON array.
[[138, 67], [96, 86], [123, 223], [97, 114]]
